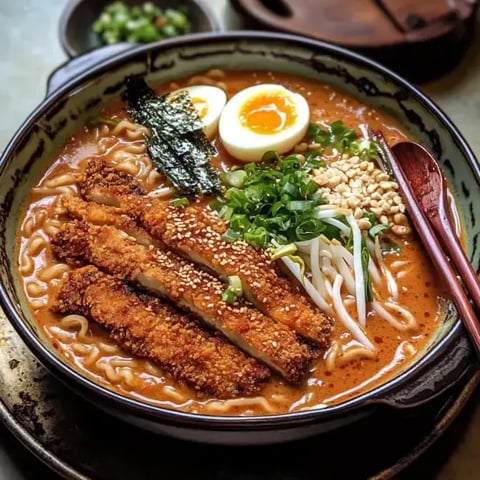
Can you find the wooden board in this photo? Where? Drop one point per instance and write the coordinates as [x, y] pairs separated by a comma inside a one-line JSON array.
[[431, 35]]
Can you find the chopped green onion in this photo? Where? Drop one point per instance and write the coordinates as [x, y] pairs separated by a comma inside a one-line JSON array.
[[233, 178], [258, 238], [239, 223], [345, 140], [270, 158], [300, 205], [225, 212], [377, 230], [283, 250], [179, 202], [118, 22], [234, 289], [96, 120], [235, 284], [228, 296], [231, 235], [298, 260], [312, 159], [366, 274], [274, 199]]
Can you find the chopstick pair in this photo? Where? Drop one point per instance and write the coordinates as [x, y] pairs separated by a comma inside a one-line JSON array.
[[422, 186]]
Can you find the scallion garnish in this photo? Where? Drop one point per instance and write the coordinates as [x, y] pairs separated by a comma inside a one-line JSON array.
[[234, 289], [233, 178], [283, 251], [343, 139], [179, 202], [273, 201], [377, 230], [98, 119], [366, 274]]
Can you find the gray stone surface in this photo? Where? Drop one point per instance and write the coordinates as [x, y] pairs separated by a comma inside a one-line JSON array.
[[31, 50]]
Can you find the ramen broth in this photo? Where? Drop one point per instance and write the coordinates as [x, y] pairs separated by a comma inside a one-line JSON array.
[[88, 347]]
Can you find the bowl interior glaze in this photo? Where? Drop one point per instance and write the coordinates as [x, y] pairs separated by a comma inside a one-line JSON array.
[[35, 144]]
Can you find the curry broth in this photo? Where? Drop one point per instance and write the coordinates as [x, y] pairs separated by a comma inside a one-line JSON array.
[[419, 286]]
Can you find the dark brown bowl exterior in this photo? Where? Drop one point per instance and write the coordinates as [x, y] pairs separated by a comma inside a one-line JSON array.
[[447, 362], [75, 28]]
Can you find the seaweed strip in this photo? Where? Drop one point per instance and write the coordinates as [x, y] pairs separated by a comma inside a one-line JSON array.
[[176, 144]]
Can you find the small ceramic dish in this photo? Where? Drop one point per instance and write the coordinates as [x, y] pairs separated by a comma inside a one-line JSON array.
[[77, 19]]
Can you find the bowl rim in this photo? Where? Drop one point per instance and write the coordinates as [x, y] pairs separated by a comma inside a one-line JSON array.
[[81, 383], [73, 5]]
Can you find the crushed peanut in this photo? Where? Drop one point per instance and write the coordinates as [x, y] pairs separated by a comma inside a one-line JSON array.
[[359, 185]]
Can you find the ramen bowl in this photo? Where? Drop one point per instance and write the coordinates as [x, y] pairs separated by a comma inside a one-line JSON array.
[[77, 91]]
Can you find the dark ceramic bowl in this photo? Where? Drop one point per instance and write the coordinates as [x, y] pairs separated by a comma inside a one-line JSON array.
[[77, 36], [74, 95]]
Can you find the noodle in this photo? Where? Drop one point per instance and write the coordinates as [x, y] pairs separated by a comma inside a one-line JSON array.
[[131, 130], [37, 303], [55, 271], [172, 393], [26, 264], [331, 356], [409, 324], [47, 191], [240, 402], [36, 289], [36, 245], [355, 353], [60, 181], [76, 322], [347, 320], [81, 348]]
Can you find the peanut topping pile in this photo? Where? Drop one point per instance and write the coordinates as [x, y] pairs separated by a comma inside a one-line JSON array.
[[362, 187]]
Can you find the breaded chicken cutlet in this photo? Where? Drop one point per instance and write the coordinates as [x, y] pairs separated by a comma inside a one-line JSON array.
[[166, 274], [149, 328], [196, 232]]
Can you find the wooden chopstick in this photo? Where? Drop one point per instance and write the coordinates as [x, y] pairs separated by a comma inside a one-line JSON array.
[[433, 246]]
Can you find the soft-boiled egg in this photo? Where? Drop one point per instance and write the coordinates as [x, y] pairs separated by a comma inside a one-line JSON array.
[[261, 118], [208, 101]]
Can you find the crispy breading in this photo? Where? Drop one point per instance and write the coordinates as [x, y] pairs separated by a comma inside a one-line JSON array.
[[165, 273], [103, 178], [105, 215], [196, 233], [149, 328]]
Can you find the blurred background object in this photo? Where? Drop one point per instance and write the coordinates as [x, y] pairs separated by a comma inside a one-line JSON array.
[[419, 39], [89, 24]]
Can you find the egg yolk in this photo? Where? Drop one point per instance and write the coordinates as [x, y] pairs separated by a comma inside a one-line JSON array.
[[268, 113], [201, 106]]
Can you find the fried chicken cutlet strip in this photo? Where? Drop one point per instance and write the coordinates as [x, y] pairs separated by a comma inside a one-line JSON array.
[[98, 214], [105, 179], [166, 274], [190, 232], [196, 233], [148, 328]]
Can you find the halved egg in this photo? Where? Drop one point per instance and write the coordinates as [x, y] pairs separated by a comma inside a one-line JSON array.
[[261, 118], [208, 102]]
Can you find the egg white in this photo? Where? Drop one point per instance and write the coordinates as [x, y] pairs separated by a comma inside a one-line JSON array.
[[249, 146], [215, 99]]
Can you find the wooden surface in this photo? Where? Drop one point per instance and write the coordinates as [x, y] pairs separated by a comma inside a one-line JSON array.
[[370, 23], [420, 38]]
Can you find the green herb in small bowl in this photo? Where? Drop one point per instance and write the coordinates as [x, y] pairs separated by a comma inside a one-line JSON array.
[[146, 23]]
